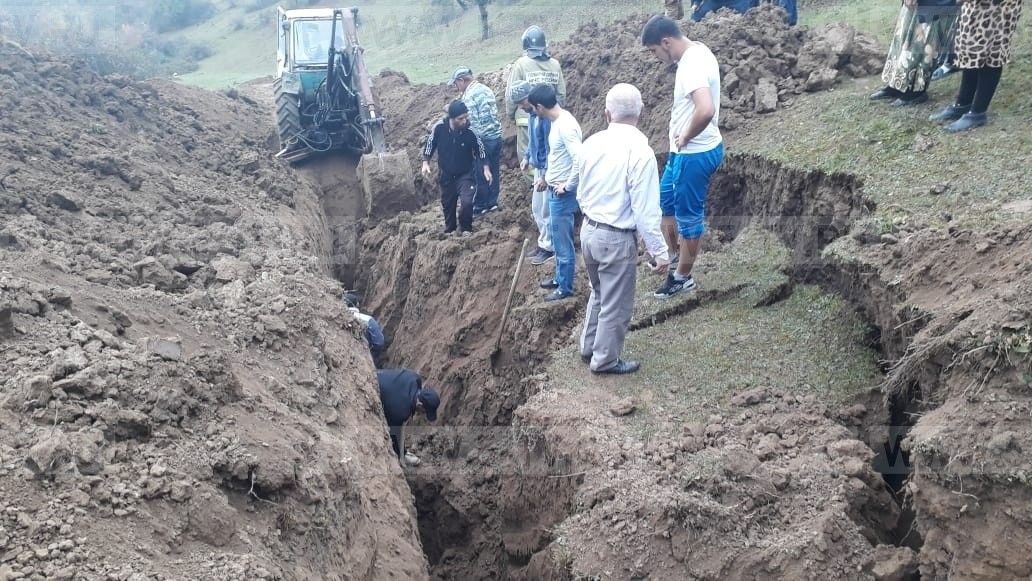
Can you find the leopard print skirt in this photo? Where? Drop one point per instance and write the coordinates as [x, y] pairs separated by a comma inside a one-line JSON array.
[[985, 33]]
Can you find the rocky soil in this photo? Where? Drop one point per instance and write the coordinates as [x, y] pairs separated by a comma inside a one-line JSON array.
[[182, 394]]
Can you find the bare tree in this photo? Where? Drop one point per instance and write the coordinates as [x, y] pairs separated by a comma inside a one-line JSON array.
[[482, 5]]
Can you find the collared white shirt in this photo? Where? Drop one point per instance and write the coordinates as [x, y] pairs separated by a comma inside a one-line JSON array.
[[619, 183]]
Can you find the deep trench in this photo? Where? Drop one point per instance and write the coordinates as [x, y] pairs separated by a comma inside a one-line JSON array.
[[807, 210]]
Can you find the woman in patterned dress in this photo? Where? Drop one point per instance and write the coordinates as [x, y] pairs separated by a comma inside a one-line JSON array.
[[921, 32], [983, 47]]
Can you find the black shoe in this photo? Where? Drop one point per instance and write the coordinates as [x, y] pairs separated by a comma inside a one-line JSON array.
[[672, 287], [910, 98], [586, 359], [621, 367], [885, 93], [943, 72], [549, 283], [448, 231], [541, 257], [968, 121], [951, 113], [557, 295]]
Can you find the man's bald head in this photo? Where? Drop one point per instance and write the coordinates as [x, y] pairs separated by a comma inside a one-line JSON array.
[[624, 104]]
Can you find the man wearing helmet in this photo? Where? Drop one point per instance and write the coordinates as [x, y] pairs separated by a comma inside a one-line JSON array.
[[537, 68]]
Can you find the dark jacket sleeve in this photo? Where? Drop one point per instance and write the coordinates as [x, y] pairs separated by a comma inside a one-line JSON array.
[[431, 142], [479, 153]]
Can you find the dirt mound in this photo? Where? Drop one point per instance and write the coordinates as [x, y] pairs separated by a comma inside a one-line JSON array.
[[724, 497], [953, 307], [182, 393], [763, 64]]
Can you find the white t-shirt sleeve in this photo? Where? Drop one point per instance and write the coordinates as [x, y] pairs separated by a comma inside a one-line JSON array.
[[572, 140], [693, 79]]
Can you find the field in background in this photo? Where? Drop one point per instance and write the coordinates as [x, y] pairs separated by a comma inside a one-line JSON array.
[[403, 36]]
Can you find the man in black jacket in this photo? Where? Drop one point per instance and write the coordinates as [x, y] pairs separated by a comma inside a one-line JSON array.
[[403, 395], [459, 152]]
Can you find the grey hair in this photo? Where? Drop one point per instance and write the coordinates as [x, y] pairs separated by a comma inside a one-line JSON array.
[[624, 102]]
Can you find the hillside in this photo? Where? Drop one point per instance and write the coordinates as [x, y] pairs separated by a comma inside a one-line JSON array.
[[401, 36]]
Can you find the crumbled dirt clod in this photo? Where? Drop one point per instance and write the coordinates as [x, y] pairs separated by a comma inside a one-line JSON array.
[[623, 407], [159, 209]]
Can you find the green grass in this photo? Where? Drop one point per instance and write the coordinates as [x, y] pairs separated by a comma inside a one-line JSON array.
[[900, 154], [400, 36], [877, 18], [812, 343]]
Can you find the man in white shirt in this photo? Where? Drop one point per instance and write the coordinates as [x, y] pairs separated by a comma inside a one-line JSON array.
[[696, 146], [618, 193], [564, 142]]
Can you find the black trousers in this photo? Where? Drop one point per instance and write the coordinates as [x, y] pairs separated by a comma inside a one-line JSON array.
[[396, 432], [454, 188]]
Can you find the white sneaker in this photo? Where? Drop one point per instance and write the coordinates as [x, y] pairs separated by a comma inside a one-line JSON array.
[[412, 460]]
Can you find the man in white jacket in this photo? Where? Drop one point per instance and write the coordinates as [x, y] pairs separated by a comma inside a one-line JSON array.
[[618, 193]]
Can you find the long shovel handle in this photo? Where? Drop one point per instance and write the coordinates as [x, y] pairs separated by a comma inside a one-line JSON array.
[[512, 291]]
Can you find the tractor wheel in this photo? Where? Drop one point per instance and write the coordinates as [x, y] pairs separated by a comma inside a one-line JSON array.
[[288, 116]]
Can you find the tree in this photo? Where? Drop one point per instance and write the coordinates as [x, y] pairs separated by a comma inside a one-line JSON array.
[[482, 5]]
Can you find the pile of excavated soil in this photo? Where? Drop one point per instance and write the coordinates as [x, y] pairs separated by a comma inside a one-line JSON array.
[[182, 394], [764, 64]]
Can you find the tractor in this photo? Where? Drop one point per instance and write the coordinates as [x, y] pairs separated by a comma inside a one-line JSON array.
[[323, 91], [325, 102]]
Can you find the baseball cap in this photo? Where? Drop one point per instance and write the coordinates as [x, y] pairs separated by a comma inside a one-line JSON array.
[[460, 73], [520, 91], [430, 400]]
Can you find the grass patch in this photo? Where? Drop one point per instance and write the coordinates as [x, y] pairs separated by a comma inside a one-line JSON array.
[[874, 18], [810, 343]]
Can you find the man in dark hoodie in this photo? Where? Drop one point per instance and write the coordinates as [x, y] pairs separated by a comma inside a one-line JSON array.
[[459, 150], [403, 395]]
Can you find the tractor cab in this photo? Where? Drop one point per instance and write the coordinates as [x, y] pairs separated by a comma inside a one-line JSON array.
[[323, 91]]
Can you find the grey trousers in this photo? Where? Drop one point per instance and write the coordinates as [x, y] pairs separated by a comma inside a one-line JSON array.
[[611, 260]]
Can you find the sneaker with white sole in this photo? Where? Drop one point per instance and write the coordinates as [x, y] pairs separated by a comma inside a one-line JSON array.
[[541, 257], [466, 233], [412, 459], [673, 286]]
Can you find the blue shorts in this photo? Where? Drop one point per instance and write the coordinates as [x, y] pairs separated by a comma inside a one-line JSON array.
[[683, 189]]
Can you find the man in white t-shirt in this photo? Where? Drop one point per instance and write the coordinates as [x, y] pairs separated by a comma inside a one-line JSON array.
[[564, 143], [696, 147]]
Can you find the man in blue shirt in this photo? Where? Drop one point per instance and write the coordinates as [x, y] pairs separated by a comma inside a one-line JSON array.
[[536, 157], [403, 395]]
